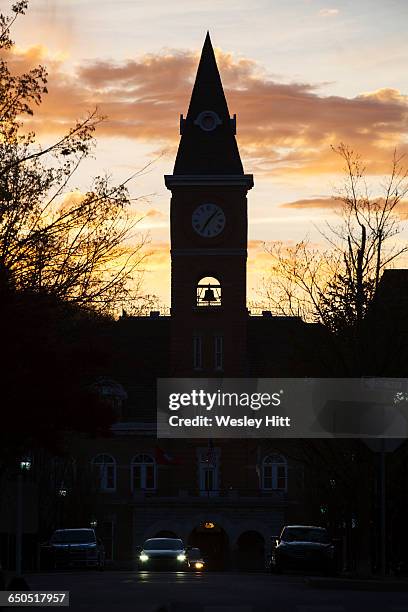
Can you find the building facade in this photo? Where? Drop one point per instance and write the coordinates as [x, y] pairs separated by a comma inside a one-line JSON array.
[[229, 497]]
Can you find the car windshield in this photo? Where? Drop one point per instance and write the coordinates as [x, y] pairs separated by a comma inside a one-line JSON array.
[[163, 544], [305, 535], [73, 536]]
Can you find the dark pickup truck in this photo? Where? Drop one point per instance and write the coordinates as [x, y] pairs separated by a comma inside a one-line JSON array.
[[306, 547], [74, 548]]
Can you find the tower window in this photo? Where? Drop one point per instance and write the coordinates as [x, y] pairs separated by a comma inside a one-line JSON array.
[[197, 352], [218, 352], [208, 120], [208, 292]]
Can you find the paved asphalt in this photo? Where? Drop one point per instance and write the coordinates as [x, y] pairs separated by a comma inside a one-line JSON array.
[[211, 592]]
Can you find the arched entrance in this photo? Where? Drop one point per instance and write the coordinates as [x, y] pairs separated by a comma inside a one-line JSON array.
[[213, 542], [250, 551], [165, 534]]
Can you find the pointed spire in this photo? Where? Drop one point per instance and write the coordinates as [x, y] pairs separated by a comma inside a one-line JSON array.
[[208, 144]]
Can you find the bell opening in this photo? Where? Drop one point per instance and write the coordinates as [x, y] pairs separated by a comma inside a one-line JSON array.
[[208, 292]]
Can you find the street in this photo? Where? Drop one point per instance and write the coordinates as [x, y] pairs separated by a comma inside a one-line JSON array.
[[211, 592]]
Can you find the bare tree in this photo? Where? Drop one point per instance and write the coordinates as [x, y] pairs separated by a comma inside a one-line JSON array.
[[79, 247], [336, 285]]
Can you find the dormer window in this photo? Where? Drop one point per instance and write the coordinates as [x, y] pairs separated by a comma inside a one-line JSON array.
[[208, 121], [208, 292]]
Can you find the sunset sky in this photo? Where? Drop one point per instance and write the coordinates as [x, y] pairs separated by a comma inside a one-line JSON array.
[[301, 75]]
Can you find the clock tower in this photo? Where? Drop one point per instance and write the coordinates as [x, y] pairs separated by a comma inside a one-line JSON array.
[[208, 226]]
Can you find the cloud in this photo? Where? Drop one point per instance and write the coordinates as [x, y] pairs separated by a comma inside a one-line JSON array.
[[325, 202], [328, 12], [282, 127], [331, 203]]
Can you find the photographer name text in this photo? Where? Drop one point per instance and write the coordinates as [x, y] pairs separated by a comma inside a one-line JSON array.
[[228, 421]]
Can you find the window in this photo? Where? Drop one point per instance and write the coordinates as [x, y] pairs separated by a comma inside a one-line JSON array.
[[143, 473], [208, 292], [208, 466], [274, 473], [197, 352], [218, 357], [106, 468]]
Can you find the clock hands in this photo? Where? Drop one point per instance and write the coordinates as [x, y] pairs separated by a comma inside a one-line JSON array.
[[209, 219]]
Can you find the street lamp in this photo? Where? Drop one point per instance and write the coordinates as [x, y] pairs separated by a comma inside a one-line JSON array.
[[62, 492], [25, 466]]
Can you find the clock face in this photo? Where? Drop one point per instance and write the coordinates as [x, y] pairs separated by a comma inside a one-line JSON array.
[[208, 220]]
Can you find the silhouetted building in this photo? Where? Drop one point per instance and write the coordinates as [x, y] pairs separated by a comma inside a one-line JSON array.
[[232, 504], [229, 497]]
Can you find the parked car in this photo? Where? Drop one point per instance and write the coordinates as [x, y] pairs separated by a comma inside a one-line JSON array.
[[163, 553], [75, 548], [304, 547], [195, 559]]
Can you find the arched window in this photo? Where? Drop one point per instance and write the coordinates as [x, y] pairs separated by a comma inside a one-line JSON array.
[[143, 473], [208, 292], [106, 467], [274, 473]]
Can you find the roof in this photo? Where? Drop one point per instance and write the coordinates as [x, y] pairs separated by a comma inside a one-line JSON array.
[[76, 529], [304, 527], [212, 151], [169, 539]]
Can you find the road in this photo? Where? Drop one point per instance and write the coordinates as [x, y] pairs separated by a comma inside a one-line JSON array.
[[211, 592]]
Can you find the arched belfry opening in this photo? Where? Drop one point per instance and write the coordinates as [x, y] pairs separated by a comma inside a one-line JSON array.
[[209, 292]]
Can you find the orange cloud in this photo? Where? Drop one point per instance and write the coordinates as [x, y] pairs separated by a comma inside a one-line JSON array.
[[325, 202], [282, 127], [330, 203]]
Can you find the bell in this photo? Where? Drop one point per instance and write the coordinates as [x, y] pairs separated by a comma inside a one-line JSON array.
[[209, 295]]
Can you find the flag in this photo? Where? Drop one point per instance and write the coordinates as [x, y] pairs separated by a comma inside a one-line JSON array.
[[165, 458], [211, 457]]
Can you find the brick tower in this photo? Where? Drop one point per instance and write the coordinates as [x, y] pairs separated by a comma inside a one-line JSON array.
[[208, 218]]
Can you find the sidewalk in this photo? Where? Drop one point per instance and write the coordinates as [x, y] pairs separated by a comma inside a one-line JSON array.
[[390, 584]]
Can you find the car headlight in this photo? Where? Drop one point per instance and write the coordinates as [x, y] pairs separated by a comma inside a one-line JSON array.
[[181, 557], [143, 557], [199, 565]]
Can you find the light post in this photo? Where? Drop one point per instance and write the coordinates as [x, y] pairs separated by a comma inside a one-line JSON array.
[[62, 493], [383, 446], [25, 466]]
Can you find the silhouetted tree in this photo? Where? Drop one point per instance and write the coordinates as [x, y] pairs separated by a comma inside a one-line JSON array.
[[336, 285], [65, 268], [75, 246]]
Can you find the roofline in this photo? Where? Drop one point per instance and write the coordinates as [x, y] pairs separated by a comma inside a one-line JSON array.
[[305, 527], [204, 180]]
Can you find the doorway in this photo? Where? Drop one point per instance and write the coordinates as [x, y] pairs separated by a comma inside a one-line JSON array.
[[213, 542]]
